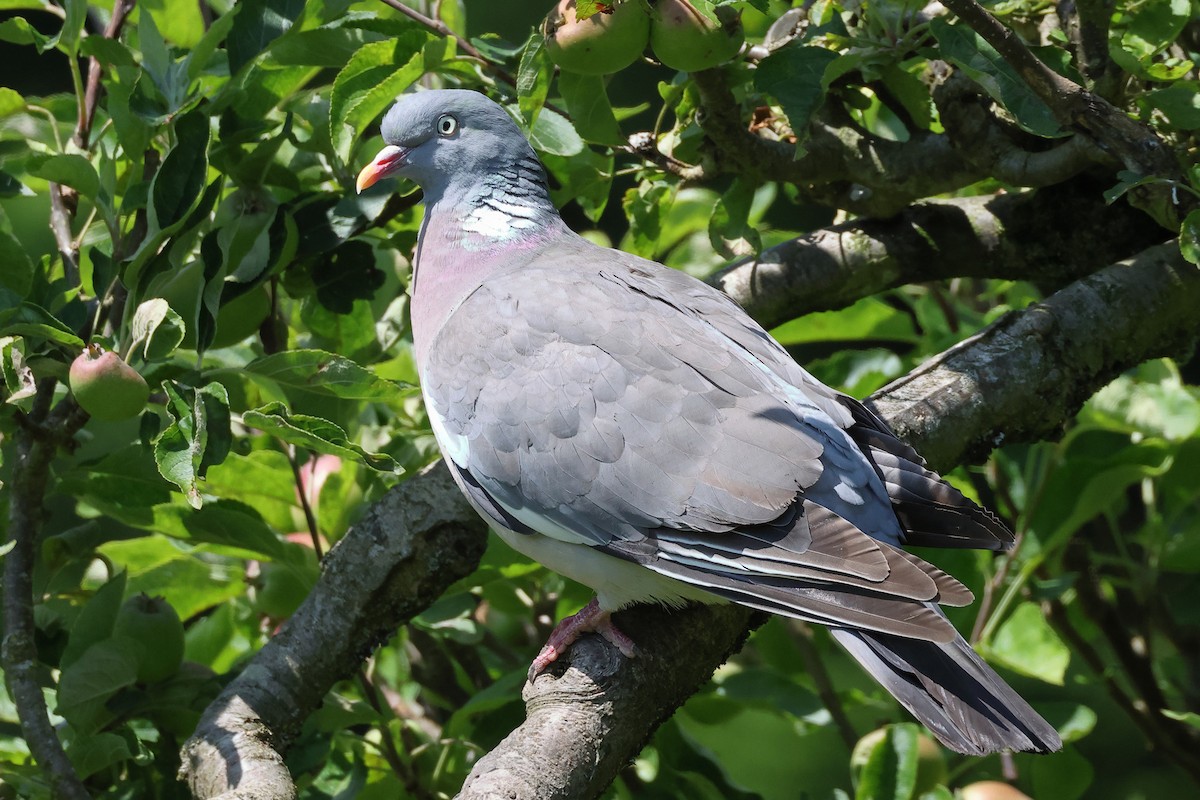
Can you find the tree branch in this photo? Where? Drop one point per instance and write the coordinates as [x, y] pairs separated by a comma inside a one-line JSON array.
[[1047, 358], [36, 443], [1050, 357], [842, 166], [1034, 236], [1134, 144], [87, 111], [407, 549]]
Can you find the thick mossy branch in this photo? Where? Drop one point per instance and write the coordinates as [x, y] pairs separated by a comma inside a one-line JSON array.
[[1035, 237], [847, 168], [1023, 376], [409, 547]]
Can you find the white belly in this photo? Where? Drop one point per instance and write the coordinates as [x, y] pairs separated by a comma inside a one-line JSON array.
[[618, 583]]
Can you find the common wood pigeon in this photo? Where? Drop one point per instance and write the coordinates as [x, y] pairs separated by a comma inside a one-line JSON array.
[[633, 429]]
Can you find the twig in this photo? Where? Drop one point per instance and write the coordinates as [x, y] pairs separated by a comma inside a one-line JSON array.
[[60, 225], [19, 652], [1056, 613], [402, 770], [305, 503], [1134, 144], [642, 145], [442, 29], [87, 110], [1176, 740], [815, 667], [1087, 23]]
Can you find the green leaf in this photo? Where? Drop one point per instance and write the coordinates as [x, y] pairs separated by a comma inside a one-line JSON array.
[[968, 51], [533, 77], [180, 179], [95, 621], [197, 60], [109, 52], [1026, 643], [585, 178], [553, 133], [159, 328], [729, 228], [68, 37], [70, 170], [18, 31], [1189, 237], [18, 270], [221, 522], [20, 385], [323, 47], [345, 274], [92, 754], [314, 433], [10, 102], [891, 769], [1180, 104], [370, 82], [870, 318], [33, 321], [1072, 720], [645, 206], [1190, 718], [156, 61], [257, 24], [186, 576], [198, 438], [323, 373], [587, 103], [1063, 776], [86, 685], [179, 20], [1153, 26], [795, 76]]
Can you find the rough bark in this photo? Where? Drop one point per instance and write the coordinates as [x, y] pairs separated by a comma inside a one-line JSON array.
[[1022, 377], [591, 713], [412, 544], [1035, 236]]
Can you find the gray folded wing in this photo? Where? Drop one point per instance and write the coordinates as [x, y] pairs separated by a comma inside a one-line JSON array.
[[635, 410]]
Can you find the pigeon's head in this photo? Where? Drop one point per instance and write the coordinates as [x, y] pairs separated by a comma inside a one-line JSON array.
[[440, 136]]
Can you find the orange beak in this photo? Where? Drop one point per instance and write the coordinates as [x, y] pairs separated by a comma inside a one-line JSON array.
[[389, 159]]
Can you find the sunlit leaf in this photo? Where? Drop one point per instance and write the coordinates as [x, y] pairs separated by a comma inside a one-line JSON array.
[[1027, 644], [316, 434]]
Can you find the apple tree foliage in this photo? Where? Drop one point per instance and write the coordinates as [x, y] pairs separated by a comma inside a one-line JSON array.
[[176, 188]]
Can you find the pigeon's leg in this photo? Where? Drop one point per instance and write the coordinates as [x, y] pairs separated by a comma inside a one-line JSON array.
[[590, 619]]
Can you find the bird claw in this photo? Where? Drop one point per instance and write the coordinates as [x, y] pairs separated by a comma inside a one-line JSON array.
[[590, 619]]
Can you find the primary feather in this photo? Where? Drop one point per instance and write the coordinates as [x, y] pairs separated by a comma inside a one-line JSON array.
[[632, 428]]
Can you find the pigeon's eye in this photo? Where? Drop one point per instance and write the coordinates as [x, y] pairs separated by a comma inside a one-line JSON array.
[[447, 125]]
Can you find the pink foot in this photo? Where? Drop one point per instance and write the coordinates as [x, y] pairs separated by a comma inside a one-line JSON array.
[[590, 619]]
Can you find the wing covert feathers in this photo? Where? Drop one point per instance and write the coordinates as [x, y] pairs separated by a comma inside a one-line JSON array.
[[932, 512]]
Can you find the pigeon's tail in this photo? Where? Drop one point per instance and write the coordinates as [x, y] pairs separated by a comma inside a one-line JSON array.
[[950, 689]]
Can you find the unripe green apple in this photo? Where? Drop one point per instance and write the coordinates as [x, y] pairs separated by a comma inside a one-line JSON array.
[[691, 36], [105, 386], [281, 589], [156, 628], [931, 761], [608, 41]]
